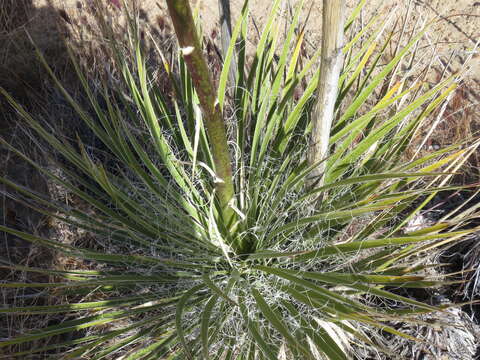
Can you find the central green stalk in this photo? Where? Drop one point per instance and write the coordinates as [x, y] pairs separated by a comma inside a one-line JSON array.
[[182, 18]]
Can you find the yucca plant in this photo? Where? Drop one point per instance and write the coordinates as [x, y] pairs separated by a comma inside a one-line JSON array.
[[211, 238]]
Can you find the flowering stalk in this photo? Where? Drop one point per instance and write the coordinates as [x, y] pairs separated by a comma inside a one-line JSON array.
[[182, 18], [333, 15]]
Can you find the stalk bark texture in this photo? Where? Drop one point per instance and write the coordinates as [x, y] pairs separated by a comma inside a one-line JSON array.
[[183, 22], [333, 17]]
